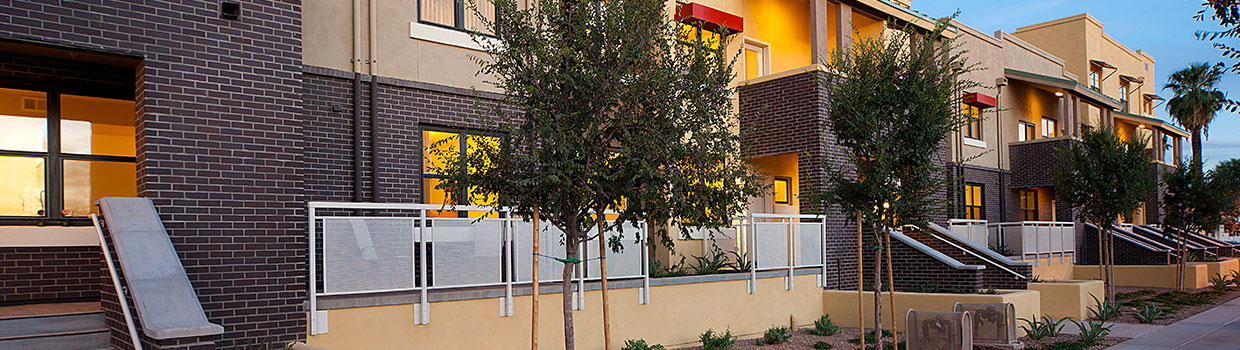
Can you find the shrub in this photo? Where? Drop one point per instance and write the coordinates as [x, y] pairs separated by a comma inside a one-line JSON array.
[[928, 287], [740, 263], [1104, 310], [1218, 281], [1093, 331], [823, 345], [823, 326], [1044, 327], [1134, 295], [710, 263], [717, 341], [640, 344], [1235, 278], [1149, 313], [775, 335], [658, 270], [1001, 249], [1063, 345], [869, 337]]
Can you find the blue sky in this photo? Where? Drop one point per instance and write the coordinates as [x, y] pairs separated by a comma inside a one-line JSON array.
[[1163, 28]]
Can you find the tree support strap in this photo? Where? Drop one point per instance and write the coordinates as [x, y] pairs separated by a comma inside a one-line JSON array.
[[568, 260]]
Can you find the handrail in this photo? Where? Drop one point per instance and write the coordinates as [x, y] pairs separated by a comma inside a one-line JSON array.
[[116, 283], [936, 227]]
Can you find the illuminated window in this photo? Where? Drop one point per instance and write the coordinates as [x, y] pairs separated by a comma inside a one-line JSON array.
[[437, 147], [1123, 95], [1029, 205], [57, 173], [783, 190], [1094, 74], [456, 14], [973, 122], [1048, 128], [696, 37], [1026, 131], [756, 64], [974, 207]]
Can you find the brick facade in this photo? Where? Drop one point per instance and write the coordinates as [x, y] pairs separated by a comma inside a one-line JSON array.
[[38, 274], [993, 276], [219, 146], [1126, 253], [996, 187]]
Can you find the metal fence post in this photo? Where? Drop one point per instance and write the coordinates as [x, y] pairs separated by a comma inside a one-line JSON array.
[[822, 243], [424, 309], [314, 311], [753, 255], [644, 296], [791, 249], [508, 263]]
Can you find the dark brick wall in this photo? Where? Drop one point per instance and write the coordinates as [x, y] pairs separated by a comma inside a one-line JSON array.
[[993, 191], [1126, 253], [917, 271], [991, 277], [219, 141], [1153, 203], [1033, 164], [41, 274]]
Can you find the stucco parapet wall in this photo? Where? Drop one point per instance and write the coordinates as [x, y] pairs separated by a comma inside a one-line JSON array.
[[1070, 86], [904, 13], [783, 74], [412, 297], [336, 73]]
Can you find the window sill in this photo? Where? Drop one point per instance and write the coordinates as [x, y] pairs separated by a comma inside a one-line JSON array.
[[51, 236], [441, 35], [974, 142]]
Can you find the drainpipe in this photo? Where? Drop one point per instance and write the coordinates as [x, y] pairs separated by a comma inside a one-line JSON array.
[[1004, 192], [357, 101], [374, 110]]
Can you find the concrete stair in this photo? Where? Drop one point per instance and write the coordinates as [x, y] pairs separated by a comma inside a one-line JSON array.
[[72, 326]]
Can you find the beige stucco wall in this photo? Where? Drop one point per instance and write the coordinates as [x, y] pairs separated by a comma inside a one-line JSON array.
[[842, 305], [1052, 269], [1223, 268], [1153, 276], [32, 236], [676, 315], [1068, 298]]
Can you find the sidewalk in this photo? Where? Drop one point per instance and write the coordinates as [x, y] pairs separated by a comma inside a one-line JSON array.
[[1217, 328]]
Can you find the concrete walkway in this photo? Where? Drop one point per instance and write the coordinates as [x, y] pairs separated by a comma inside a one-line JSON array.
[[1216, 328], [1122, 330]]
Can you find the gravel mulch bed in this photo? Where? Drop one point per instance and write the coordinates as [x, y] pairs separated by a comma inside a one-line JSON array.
[[1044, 342], [802, 339], [1181, 312]]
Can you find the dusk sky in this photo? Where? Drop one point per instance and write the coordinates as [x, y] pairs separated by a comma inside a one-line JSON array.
[[1163, 28]]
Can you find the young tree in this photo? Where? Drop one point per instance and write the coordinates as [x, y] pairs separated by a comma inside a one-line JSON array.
[[892, 103], [1104, 177], [607, 107], [1194, 202], [1196, 101], [1226, 176]]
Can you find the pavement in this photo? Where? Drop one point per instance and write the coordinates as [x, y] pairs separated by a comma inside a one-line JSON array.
[[1216, 328]]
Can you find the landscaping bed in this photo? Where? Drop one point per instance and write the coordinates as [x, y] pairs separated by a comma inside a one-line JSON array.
[[1063, 342], [802, 339], [1174, 305]]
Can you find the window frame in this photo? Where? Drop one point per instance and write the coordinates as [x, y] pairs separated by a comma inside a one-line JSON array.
[[973, 122], [1022, 195], [1095, 77], [763, 51], [1026, 131], [458, 18], [1123, 95], [979, 203], [1052, 130], [787, 190], [53, 158], [462, 146]]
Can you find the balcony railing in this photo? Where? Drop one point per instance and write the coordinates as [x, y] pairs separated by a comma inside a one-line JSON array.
[[369, 248], [1024, 239]]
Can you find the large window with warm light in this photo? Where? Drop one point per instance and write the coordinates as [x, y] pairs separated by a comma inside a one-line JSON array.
[[1028, 205], [1026, 131], [974, 202], [973, 122], [439, 148], [1049, 128], [755, 60], [782, 190], [59, 153], [456, 14]]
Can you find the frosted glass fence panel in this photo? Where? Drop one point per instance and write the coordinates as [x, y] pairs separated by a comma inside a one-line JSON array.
[[550, 244], [772, 241], [625, 264], [364, 255], [466, 253], [808, 244]]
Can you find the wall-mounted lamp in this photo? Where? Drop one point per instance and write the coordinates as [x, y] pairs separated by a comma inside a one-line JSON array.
[[1058, 93], [1142, 126]]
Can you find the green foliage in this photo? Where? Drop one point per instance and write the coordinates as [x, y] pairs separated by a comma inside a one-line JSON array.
[[1218, 281], [657, 269], [717, 341], [775, 335], [1104, 310], [1036, 279], [1093, 331], [1235, 277], [1226, 177], [928, 287], [1063, 345], [869, 337], [991, 290], [711, 263], [823, 326], [740, 262], [1133, 295], [1001, 249], [1189, 299], [1196, 100], [1103, 177], [1148, 313], [640, 344], [823, 345], [1045, 327], [1194, 201]]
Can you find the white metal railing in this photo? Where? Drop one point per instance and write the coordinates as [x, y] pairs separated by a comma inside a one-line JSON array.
[[786, 241], [973, 230], [406, 249], [1035, 239], [116, 283]]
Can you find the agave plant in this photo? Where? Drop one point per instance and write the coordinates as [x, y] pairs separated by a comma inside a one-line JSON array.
[[1218, 281], [1104, 310], [1149, 313], [1093, 331], [1045, 327]]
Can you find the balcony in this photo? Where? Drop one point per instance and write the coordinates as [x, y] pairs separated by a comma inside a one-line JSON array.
[[1033, 162], [1025, 240]]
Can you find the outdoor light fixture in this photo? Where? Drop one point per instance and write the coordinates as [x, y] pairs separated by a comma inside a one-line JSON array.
[[1058, 93], [230, 9]]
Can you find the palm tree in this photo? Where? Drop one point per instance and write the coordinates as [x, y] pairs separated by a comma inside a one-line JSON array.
[[1196, 100]]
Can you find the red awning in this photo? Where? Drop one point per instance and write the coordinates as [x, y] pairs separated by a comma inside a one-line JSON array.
[[710, 18], [979, 100]]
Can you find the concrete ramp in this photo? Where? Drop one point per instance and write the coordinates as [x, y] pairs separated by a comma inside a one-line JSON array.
[[166, 304]]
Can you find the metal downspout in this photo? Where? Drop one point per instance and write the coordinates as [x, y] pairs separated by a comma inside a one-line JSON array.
[[374, 110], [357, 101]]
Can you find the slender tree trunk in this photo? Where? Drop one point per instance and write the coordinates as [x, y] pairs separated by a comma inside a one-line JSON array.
[[860, 284], [877, 284], [1197, 147], [534, 286], [1111, 266], [571, 244], [1181, 251], [1101, 256], [891, 293], [602, 261]]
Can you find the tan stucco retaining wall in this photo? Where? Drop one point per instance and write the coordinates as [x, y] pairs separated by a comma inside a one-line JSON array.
[[1053, 269], [1224, 268], [1068, 298], [676, 315], [1153, 276], [842, 305]]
